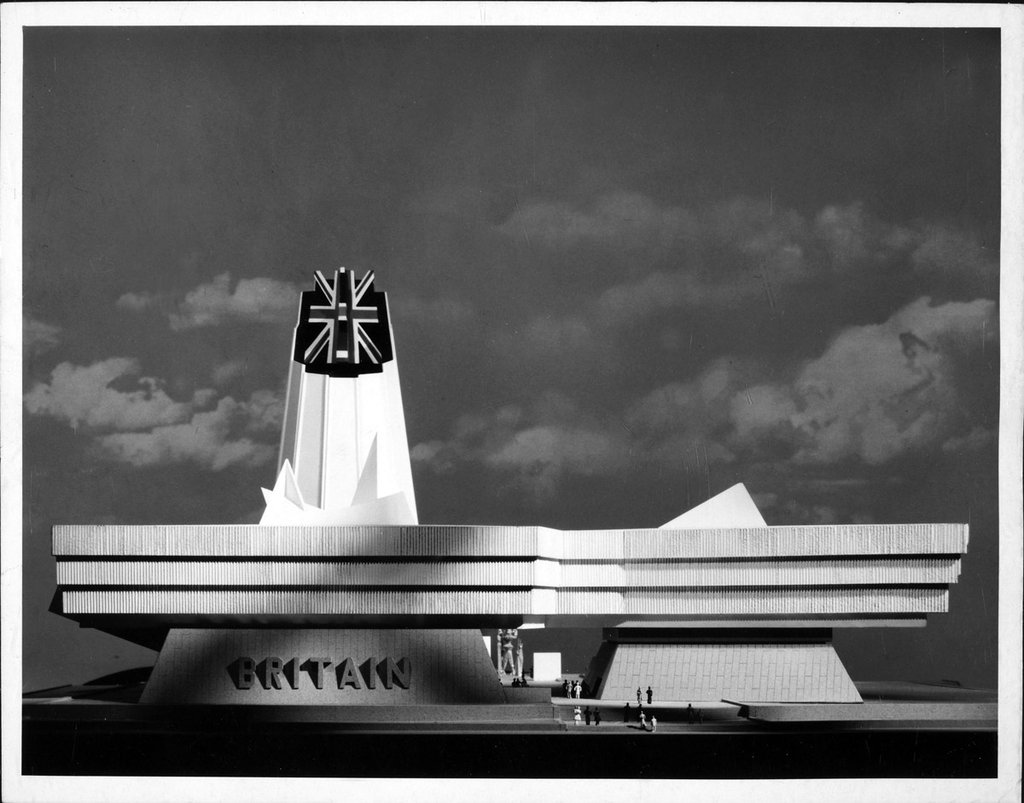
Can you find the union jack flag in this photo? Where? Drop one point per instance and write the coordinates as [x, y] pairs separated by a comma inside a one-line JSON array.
[[343, 326]]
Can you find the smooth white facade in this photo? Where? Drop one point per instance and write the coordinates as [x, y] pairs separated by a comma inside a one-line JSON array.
[[547, 666]]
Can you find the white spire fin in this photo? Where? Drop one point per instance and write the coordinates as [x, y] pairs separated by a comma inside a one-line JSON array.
[[366, 489], [287, 486], [733, 507]]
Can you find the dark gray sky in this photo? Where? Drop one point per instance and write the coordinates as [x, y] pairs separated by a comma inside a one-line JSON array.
[[627, 267]]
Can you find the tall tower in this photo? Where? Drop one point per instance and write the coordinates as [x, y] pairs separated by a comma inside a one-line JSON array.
[[344, 455]]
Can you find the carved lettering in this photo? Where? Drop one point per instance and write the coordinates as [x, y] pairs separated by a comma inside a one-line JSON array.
[[398, 672], [242, 672], [269, 672], [291, 672], [369, 670], [348, 675], [315, 667], [273, 672]]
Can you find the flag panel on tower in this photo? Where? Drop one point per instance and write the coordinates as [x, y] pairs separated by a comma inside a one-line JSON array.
[[343, 326]]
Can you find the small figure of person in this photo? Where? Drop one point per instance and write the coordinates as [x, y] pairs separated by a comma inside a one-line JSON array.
[[638, 695], [565, 688], [586, 714], [576, 716], [650, 696], [654, 724], [689, 712], [643, 721], [597, 716], [577, 690], [507, 656], [625, 713]]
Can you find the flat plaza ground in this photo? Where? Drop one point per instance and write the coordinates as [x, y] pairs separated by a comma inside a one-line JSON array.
[[901, 730]]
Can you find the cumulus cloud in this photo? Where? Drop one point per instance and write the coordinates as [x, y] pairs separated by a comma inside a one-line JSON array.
[[82, 395], [37, 336], [257, 300], [134, 420], [535, 448], [738, 251], [136, 302], [215, 439], [877, 392]]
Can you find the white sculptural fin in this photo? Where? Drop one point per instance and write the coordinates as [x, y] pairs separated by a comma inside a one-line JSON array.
[[287, 485], [366, 489], [733, 507]]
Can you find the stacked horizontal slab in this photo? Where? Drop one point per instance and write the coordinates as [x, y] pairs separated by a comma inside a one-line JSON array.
[[410, 575]]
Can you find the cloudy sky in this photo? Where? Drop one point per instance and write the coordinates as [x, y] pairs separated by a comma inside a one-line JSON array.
[[628, 268]]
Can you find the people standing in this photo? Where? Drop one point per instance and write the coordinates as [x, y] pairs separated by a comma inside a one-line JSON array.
[[565, 688], [650, 696], [578, 689], [597, 716], [625, 713], [586, 713], [689, 712], [639, 695], [643, 721], [576, 716], [654, 724]]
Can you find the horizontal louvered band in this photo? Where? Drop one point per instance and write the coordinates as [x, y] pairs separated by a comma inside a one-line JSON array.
[[508, 542], [267, 573], [766, 572], [445, 574], [738, 602], [681, 602], [309, 602]]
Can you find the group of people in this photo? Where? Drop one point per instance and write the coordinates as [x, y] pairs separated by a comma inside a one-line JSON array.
[[641, 716], [577, 716], [518, 682], [578, 688], [575, 689]]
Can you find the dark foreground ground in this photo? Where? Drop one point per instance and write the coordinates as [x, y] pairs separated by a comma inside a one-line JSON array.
[[901, 730]]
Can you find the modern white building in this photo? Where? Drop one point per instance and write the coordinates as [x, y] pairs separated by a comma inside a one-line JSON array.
[[713, 605]]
